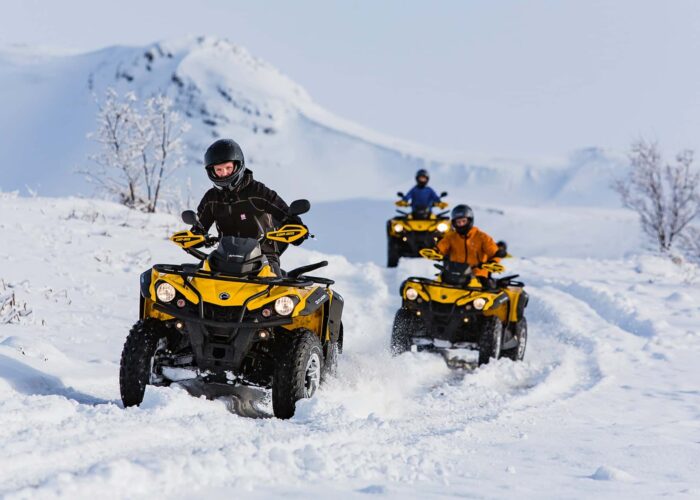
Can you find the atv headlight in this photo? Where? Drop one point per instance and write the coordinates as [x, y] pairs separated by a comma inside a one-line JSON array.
[[165, 292], [442, 227], [411, 294], [398, 228], [479, 303], [284, 306]]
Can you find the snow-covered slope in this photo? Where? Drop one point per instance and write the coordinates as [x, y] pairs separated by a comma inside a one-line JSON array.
[[605, 405], [301, 149]]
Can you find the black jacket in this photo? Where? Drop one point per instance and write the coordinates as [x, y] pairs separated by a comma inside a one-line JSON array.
[[248, 211]]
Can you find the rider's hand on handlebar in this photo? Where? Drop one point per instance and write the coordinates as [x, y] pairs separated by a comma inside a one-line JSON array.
[[493, 267], [210, 241], [440, 204], [295, 219]]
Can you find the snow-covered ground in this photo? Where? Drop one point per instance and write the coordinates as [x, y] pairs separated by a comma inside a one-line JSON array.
[[606, 403]]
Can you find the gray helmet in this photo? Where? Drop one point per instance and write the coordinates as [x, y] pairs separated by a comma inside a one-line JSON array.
[[223, 151], [461, 212]]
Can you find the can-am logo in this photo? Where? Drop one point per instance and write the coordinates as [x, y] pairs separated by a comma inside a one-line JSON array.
[[224, 296]]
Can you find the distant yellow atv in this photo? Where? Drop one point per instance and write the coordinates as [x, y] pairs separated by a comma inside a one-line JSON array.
[[456, 312], [410, 232], [229, 320]]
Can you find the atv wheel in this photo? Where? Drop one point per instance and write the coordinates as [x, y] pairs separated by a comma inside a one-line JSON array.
[[297, 374], [517, 353], [490, 339], [405, 325], [392, 259], [144, 341], [330, 360]]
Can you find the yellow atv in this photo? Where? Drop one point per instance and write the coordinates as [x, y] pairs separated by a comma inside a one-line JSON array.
[[457, 312], [229, 320], [409, 232]]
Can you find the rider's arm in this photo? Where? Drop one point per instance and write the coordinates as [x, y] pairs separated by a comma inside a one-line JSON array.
[[266, 200], [489, 248], [205, 211], [434, 198], [443, 246], [409, 196]]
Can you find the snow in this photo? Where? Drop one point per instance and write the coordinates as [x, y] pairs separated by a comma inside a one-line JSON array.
[[605, 403]]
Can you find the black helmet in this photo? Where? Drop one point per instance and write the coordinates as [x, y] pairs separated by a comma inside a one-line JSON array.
[[222, 151], [461, 212], [422, 173]]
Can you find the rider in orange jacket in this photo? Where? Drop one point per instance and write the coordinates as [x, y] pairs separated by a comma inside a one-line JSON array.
[[466, 243]]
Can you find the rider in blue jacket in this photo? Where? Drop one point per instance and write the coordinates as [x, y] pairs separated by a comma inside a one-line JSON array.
[[421, 196]]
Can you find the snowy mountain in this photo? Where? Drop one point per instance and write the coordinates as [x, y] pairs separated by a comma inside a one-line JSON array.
[[303, 150], [604, 405]]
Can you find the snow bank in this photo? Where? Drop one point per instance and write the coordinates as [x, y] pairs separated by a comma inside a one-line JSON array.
[[591, 390]]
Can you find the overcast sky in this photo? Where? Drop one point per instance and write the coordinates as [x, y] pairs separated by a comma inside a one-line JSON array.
[[506, 77]]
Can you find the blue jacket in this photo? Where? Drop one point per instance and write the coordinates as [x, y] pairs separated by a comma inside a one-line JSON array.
[[421, 197]]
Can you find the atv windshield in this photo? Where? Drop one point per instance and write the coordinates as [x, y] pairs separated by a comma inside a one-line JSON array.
[[456, 273], [237, 256]]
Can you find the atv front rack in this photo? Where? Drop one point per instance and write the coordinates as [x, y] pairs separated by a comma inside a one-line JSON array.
[[187, 271], [194, 271], [428, 281], [500, 283]]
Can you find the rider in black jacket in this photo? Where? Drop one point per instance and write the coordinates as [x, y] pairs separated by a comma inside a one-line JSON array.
[[238, 204]]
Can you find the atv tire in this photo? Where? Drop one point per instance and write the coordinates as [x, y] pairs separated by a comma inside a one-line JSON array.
[[330, 360], [136, 365], [405, 325], [392, 258], [297, 373], [517, 353], [490, 339]]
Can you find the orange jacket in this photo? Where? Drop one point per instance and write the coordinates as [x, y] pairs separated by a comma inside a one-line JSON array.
[[474, 249]]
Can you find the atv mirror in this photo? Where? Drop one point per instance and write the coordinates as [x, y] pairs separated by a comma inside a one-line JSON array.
[[399, 194], [189, 217], [443, 194], [299, 207]]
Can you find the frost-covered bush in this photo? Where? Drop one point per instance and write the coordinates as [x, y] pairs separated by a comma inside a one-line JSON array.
[[664, 195], [11, 310], [690, 243], [140, 147]]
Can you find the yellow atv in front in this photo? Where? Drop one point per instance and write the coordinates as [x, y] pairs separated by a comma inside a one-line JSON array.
[[409, 232], [457, 312], [229, 320]]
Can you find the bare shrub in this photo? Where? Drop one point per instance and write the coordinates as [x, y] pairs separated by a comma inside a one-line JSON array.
[[664, 195]]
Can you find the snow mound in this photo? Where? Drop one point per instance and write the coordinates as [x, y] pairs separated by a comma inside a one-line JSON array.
[[606, 473]]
